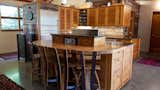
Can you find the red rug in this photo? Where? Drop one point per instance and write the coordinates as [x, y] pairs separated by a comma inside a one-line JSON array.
[[8, 56], [8, 84], [150, 61]]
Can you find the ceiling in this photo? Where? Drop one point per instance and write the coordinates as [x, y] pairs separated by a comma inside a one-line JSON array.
[[147, 2], [14, 2]]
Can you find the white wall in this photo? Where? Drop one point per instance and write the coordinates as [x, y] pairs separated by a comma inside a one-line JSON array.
[[77, 3], [145, 23], [8, 41], [57, 2], [49, 23]]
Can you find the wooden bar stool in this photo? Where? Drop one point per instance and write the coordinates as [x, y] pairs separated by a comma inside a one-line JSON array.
[[61, 67], [43, 64], [63, 70], [89, 70], [35, 58]]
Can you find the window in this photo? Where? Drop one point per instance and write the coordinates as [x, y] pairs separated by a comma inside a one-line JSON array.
[[11, 18]]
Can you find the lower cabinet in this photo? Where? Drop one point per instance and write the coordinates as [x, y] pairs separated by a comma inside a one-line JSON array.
[[116, 70], [136, 48]]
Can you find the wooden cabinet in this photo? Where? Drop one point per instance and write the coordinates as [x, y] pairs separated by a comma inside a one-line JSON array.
[[127, 65], [68, 21], [68, 18], [92, 17], [113, 15], [61, 12], [116, 15], [101, 16], [136, 47], [116, 68], [75, 17]]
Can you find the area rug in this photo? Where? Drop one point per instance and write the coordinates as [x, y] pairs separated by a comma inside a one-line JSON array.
[[8, 84], [8, 56], [150, 61]]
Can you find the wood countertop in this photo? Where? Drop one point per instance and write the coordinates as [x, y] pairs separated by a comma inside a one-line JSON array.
[[104, 49]]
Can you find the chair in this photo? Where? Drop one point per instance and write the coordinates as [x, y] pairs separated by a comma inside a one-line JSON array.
[[89, 67], [59, 60], [35, 63], [43, 65]]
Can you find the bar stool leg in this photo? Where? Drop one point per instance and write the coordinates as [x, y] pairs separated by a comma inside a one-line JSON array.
[[83, 83], [59, 72], [93, 70], [66, 70]]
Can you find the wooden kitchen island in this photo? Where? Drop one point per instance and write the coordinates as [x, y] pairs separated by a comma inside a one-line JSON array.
[[115, 63]]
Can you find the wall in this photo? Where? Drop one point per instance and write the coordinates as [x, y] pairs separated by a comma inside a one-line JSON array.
[[145, 24], [8, 42], [49, 23], [57, 2], [77, 3]]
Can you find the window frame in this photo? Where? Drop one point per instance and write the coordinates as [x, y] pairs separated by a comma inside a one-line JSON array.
[[19, 18]]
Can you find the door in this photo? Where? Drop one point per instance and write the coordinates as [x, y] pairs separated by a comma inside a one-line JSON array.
[[155, 33]]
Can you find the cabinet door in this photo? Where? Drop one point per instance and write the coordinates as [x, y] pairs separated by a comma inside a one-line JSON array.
[[127, 19], [113, 16], [68, 19], [92, 17], [127, 64], [117, 66], [126, 16], [110, 13], [61, 12], [118, 14], [101, 16], [75, 17]]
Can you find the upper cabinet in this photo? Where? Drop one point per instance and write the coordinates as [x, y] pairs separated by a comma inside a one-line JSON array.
[[101, 15], [68, 18], [92, 17], [116, 15]]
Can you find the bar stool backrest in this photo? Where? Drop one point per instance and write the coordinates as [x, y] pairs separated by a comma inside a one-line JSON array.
[[43, 65]]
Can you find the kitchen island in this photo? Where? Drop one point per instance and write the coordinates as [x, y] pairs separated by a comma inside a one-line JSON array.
[[115, 62]]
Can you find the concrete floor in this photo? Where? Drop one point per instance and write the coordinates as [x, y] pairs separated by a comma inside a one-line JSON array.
[[144, 77]]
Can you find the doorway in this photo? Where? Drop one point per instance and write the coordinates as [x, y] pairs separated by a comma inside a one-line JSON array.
[[155, 33]]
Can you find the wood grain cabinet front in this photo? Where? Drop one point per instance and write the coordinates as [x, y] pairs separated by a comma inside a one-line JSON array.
[[68, 18], [117, 69], [116, 15], [117, 66]]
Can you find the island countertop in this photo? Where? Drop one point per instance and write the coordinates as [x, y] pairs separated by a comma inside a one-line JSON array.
[[107, 48]]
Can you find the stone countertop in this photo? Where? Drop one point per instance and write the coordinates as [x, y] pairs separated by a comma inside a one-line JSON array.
[[103, 49]]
